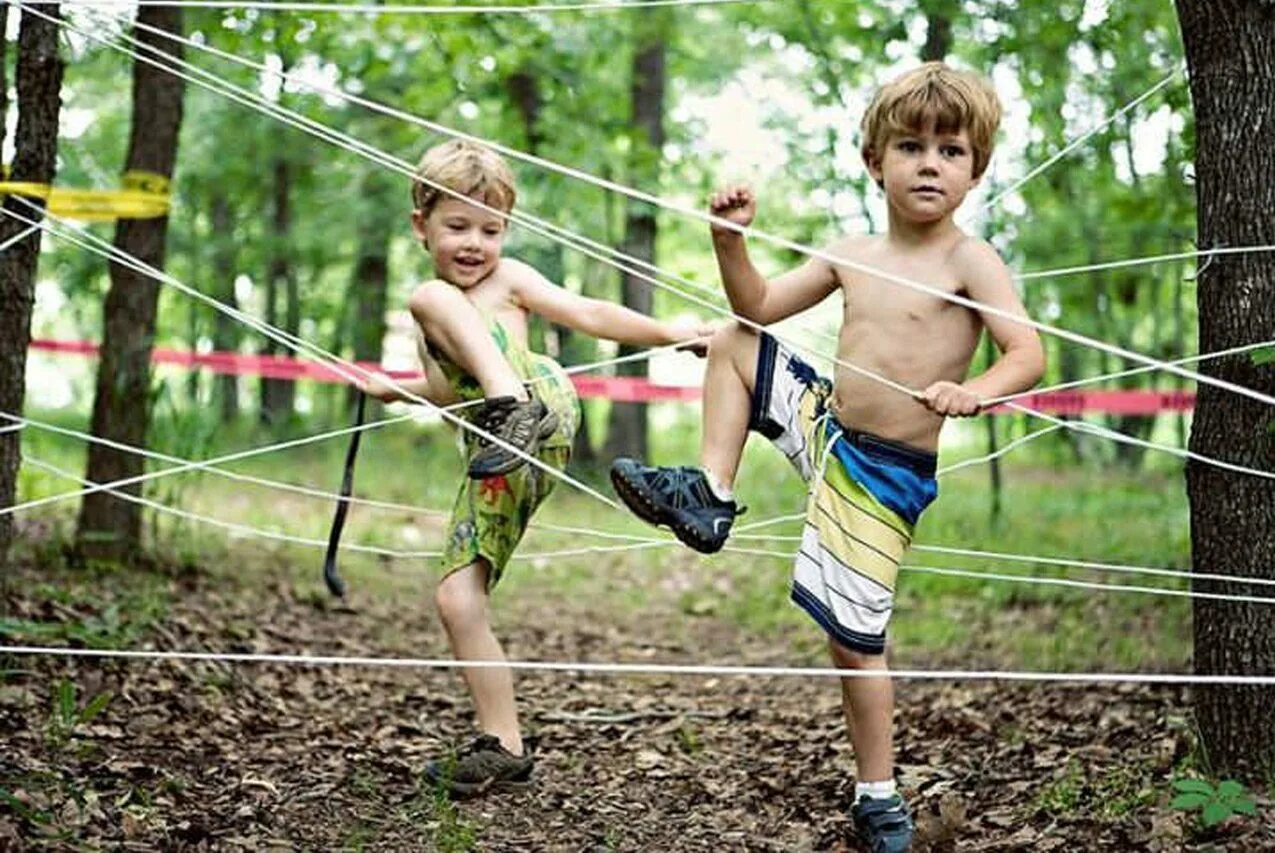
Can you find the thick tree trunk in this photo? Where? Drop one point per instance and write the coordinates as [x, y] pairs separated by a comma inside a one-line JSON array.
[[1230, 46], [626, 434], [225, 329], [39, 82], [110, 527]]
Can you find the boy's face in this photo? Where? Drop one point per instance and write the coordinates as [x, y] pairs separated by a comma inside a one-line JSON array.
[[463, 239], [926, 174]]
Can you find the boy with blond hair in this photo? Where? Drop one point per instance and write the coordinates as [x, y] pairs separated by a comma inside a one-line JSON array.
[[472, 340], [868, 449]]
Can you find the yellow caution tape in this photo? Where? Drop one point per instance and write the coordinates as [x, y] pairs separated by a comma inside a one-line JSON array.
[[144, 196]]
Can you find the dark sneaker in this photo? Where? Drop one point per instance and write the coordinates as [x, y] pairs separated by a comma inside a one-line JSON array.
[[484, 765], [884, 824], [520, 423], [678, 498]]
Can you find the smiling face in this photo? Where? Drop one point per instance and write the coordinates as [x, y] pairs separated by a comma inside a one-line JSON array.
[[464, 240], [926, 174]]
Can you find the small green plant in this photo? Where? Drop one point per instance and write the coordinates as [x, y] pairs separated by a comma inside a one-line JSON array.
[[66, 715], [1212, 804], [1064, 794], [688, 740]]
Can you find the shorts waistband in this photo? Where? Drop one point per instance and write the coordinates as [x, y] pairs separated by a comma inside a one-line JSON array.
[[923, 463]]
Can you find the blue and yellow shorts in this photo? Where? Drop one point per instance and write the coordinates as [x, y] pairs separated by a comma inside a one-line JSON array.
[[867, 496]]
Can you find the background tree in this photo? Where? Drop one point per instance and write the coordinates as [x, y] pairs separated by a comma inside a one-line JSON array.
[[1230, 47], [627, 432], [109, 526], [39, 83]]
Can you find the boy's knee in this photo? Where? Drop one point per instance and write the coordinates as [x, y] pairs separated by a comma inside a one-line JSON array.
[[731, 339], [434, 301], [848, 658], [458, 604]]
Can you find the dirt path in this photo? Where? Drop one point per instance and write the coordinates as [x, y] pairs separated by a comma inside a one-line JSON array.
[[205, 756]]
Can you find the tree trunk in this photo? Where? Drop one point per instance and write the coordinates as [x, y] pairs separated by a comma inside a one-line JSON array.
[[938, 28], [39, 82], [277, 395], [1230, 47], [110, 527], [370, 281], [225, 329], [626, 434], [523, 88]]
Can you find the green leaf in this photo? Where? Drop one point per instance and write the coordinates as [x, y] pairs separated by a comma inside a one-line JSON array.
[[1187, 802], [33, 815], [1244, 805], [94, 707], [1229, 789], [1214, 813], [1265, 355], [1195, 786]]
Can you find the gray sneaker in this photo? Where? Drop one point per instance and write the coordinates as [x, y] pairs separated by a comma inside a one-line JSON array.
[[482, 766], [523, 424]]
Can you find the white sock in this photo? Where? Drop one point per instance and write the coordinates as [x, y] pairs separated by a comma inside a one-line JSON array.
[[875, 790], [721, 492]]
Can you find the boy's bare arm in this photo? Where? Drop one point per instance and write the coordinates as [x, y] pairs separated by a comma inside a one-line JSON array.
[[596, 317], [751, 295], [1022, 358]]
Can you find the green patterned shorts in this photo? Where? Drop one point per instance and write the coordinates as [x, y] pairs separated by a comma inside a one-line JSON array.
[[491, 515]]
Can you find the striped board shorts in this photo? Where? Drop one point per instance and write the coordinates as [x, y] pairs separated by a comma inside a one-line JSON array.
[[866, 496]]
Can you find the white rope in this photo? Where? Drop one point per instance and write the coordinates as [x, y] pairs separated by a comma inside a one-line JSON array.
[[997, 454], [234, 527], [1144, 261], [373, 154], [1029, 558], [248, 530], [1073, 425], [19, 237], [11, 428], [1104, 432], [210, 466], [1069, 425], [1160, 678], [130, 261], [578, 242], [1075, 143], [651, 543], [635, 543], [1075, 383], [643, 541], [1100, 567], [409, 9], [809, 251], [207, 464], [1034, 579]]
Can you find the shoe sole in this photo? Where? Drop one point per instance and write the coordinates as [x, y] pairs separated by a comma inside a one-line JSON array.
[[637, 499], [465, 790], [548, 425], [469, 790]]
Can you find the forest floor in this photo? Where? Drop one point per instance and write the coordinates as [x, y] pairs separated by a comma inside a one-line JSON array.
[[270, 757]]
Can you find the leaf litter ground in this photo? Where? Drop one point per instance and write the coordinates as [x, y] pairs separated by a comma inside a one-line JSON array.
[[268, 757]]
